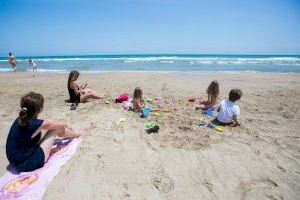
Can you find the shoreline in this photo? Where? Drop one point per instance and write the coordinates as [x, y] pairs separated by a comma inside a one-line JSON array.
[[152, 72]]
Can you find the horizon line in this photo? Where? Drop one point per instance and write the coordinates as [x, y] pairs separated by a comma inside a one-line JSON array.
[[168, 54]]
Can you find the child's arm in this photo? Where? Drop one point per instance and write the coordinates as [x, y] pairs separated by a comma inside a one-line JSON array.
[[235, 121], [140, 104], [208, 98], [219, 108]]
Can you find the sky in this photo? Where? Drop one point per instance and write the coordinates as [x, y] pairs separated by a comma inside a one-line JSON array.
[[86, 27]]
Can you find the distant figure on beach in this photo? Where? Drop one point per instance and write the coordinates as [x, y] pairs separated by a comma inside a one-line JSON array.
[[137, 101], [229, 110], [80, 94], [27, 148], [33, 65], [212, 96], [12, 60]]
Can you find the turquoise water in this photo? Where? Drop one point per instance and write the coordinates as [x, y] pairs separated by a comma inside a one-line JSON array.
[[183, 63]]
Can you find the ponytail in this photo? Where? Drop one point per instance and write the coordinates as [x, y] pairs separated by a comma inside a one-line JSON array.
[[31, 103], [23, 117]]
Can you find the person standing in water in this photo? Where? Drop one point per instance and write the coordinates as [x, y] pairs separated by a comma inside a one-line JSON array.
[[33, 65], [12, 60]]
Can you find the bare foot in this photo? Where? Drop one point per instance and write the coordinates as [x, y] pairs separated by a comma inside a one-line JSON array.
[[80, 133]]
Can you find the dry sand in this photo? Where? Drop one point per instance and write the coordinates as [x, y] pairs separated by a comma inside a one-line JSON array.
[[259, 160]]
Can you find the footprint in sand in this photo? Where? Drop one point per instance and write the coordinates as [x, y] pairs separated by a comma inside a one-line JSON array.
[[288, 116], [260, 188], [162, 181], [282, 169]]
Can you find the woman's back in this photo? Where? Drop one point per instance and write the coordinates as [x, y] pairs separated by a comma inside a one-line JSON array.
[[19, 144]]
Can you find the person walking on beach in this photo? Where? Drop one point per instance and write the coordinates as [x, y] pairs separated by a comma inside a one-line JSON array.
[[33, 65], [12, 60]]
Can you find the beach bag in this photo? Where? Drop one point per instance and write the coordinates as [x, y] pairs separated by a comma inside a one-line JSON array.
[[121, 98]]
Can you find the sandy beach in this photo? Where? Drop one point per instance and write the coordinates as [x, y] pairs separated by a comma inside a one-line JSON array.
[[258, 160]]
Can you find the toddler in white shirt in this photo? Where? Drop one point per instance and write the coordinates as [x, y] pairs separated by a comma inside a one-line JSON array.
[[229, 110]]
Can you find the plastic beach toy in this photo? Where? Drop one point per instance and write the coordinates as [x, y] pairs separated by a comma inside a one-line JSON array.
[[210, 125], [201, 119], [121, 120], [146, 112], [153, 129], [156, 114], [150, 125], [149, 100], [208, 112], [202, 123], [220, 129], [165, 110], [192, 99]]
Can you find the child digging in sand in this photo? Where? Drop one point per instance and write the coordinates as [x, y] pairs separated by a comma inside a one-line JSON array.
[[229, 110], [30, 139], [137, 101], [139, 104], [212, 96]]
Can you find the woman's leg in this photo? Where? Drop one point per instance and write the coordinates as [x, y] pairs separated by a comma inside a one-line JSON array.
[[86, 96], [47, 141], [89, 90]]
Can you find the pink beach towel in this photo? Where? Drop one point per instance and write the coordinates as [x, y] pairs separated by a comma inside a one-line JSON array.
[[32, 185]]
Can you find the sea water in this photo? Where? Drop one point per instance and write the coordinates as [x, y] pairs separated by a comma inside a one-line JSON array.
[[183, 63]]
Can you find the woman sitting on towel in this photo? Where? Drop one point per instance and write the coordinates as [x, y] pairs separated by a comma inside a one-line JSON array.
[[82, 93], [30, 139]]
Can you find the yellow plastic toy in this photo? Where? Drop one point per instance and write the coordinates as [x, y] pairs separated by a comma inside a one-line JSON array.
[[121, 120], [165, 110], [156, 114], [201, 119], [220, 129]]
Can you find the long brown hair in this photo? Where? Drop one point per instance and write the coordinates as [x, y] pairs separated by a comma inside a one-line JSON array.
[[72, 73], [137, 93], [30, 104], [213, 89]]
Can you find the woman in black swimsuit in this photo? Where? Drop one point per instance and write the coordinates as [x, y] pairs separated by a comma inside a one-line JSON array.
[[80, 94], [28, 147]]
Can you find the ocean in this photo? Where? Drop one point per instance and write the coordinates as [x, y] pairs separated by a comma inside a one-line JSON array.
[[179, 63]]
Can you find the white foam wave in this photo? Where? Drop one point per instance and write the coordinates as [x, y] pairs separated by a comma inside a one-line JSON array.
[[167, 61], [49, 70], [172, 59], [6, 69]]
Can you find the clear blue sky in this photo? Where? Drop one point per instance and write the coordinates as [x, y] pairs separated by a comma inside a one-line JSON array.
[[60, 27]]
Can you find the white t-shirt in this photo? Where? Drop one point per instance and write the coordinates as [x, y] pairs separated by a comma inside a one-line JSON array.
[[228, 109]]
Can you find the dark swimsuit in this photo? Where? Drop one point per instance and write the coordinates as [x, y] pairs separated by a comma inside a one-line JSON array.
[[74, 98], [22, 151]]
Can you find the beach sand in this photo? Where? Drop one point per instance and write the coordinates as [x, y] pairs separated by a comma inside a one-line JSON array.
[[258, 160]]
